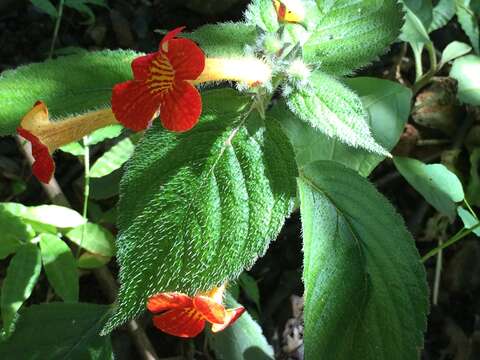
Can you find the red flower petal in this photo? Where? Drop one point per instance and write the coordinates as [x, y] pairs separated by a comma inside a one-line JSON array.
[[44, 166], [231, 316], [187, 59], [169, 300], [134, 105], [181, 107], [210, 309], [170, 35], [141, 66], [184, 323]]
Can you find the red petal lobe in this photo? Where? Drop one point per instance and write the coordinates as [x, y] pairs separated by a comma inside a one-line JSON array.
[[170, 35], [169, 300], [231, 316], [134, 105], [183, 323], [210, 309], [181, 107], [44, 166], [187, 59], [141, 66]]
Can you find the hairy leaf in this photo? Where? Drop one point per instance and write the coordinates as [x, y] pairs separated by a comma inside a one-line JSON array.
[[59, 331], [351, 34], [261, 13], [60, 267], [22, 274], [365, 289], [224, 39], [68, 85], [332, 108], [388, 106], [197, 208]]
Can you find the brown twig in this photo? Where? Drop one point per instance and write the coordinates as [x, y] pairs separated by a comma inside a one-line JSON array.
[[103, 275]]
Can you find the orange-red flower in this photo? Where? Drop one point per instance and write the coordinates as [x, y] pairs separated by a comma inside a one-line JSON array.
[[161, 84], [185, 316], [43, 166], [46, 136]]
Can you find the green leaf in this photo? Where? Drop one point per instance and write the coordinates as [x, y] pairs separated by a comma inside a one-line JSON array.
[[54, 215], [113, 159], [22, 274], [250, 288], [261, 13], [469, 23], [23, 212], [333, 109], [97, 239], [91, 77], [423, 9], [366, 295], [60, 267], [108, 132], [413, 30], [466, 71], [469, 221], [75, 149], [439, 186], [351, 34], [59, 331], [46, 6], [454, 50], [82, 7], [224, 39], [243, 340], [388, 106], [105, 187], [196, 208], [92, 261], [15, 233], [443, 12], [473, 187]]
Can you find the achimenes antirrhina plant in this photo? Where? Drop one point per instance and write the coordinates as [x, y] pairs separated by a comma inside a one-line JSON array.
[[211, 183]]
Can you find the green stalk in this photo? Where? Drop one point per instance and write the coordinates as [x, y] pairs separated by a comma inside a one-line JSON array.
[[458, 236], [427, 77], [57, 28], [86, 192]]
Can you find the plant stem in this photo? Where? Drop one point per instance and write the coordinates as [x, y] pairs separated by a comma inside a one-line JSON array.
[[458, 236], [470, 209], [86, 192], [438, 274], [427, 77], [57, 27]]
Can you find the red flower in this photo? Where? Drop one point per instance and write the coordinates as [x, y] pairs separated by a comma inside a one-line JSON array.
[[185, 316], [161, 83], [44, 166]]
